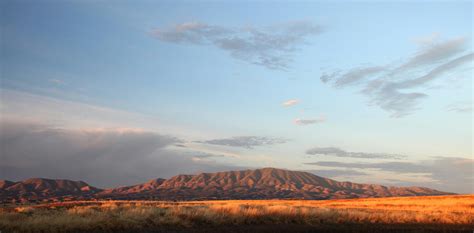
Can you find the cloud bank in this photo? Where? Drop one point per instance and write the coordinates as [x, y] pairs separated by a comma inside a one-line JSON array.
[[103, 157], [449, 173], [271, 47]]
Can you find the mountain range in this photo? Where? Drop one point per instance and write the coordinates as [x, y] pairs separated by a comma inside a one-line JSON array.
[[265, 183]]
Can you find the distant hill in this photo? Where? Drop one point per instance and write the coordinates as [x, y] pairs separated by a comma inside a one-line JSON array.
[[40, 188], [265, 183]]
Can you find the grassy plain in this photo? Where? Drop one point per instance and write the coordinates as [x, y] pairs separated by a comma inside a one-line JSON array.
[[403, 214]]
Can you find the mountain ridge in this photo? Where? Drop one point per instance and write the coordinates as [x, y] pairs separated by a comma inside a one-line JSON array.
[[263, 183]]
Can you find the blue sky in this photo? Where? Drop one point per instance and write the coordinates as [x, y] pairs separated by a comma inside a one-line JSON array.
[[363, 79]]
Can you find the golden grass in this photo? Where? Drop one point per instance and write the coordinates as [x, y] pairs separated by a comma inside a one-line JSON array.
[[132, 216]]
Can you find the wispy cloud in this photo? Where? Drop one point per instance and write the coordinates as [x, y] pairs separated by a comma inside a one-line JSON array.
[[355, 75], [248, 142], [302, 122], [398, 88], [337, 152], [201, 156], [31, 107], [56, 81], [271, 47], [19, 105], [432, 54], [427, 40], [460, 107], [386, 166], [290, 102], [193, 148]]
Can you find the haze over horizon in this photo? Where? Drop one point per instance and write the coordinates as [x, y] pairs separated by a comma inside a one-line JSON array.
[[117, 93]]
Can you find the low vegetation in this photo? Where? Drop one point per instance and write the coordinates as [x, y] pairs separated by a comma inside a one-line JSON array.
[[414, 214]]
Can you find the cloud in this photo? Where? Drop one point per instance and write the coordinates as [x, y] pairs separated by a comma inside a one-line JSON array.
[[337, 152], [427, 40], [389, 96], [202, 156], [290, 102], [102, 157], [398, 88], [434, 53], [56, 81], [386, 166], [433, 74], [460, 107], [191, 32], [248, 142], [22, 106], [299, 121], [328, 77], [356, 75], [449, 173], [271, 47]]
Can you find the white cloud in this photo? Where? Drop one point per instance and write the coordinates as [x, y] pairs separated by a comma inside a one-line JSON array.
[[300, 121], [290, 102]]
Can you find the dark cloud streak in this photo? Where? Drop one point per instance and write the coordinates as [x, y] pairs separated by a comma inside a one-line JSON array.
[[248, 142], [337, 152]]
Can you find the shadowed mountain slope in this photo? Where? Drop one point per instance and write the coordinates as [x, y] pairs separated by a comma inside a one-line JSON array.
[[40, 188]]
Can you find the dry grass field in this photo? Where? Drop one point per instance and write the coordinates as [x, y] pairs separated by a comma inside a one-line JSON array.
[[403, 214]]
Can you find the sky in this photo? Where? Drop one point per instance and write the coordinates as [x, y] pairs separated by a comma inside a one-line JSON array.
[[117, 93]]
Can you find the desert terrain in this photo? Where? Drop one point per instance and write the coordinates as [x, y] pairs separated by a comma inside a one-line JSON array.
[[454, 213]]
